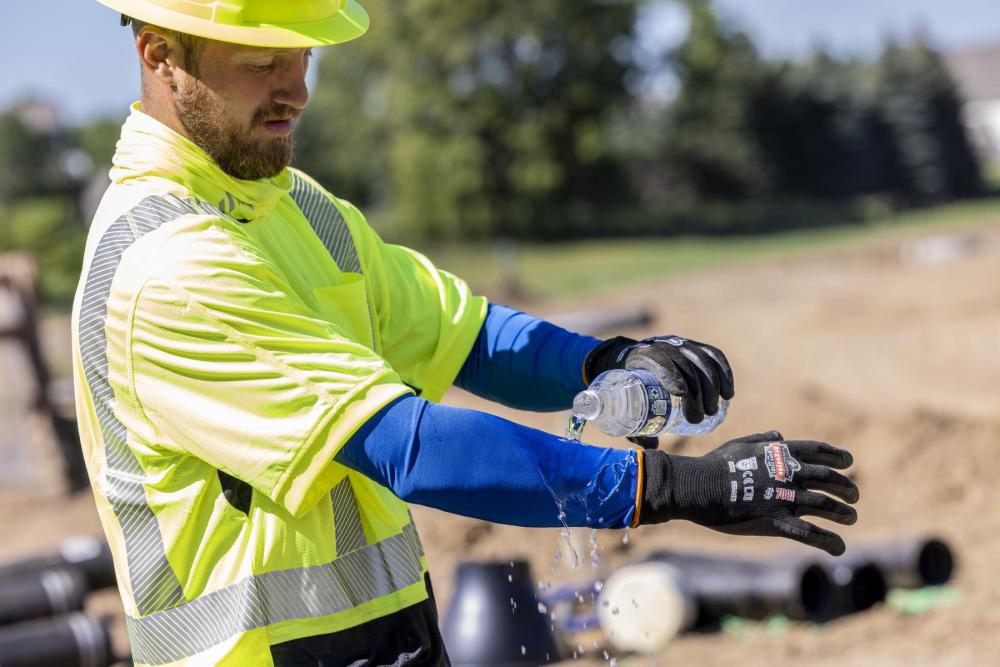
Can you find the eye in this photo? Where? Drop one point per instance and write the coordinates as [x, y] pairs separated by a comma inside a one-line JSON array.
[[261, 67]]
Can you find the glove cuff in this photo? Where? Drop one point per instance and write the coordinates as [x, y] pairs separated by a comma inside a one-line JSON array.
[[606, 356], [678, 487]]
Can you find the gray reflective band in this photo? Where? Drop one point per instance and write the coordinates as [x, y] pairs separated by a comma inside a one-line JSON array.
[[154, 584], [327, 222], [364, 575], [347, 526]]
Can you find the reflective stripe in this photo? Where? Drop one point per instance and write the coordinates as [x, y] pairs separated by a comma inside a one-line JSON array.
[[364, 575], [327, 222], [154, 584], [329, 225], [347, 526]]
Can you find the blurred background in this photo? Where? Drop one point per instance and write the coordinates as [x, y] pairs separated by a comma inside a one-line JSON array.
[[812, 187]]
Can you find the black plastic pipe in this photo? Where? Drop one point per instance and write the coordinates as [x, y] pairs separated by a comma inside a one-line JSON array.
[[74, 640], [40, 594], [910, 562], [494, 620], [753, 588], [90, 555]]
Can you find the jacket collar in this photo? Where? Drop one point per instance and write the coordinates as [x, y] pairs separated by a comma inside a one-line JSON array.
[[148, 149]]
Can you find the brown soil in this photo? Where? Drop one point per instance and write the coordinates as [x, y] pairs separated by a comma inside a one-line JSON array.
[[897, 362]]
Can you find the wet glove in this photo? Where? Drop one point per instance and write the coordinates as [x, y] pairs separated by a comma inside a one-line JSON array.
[[755, 485], [696, 372]]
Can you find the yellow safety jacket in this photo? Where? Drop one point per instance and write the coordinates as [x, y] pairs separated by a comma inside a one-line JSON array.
[[229, 330]]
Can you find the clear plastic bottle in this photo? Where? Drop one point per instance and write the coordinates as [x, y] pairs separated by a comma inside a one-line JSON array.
[[632, 402]]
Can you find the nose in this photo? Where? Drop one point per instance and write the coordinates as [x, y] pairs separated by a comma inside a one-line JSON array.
[[292, 90]]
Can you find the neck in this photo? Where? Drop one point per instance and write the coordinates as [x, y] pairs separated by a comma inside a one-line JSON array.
[[159, 105]]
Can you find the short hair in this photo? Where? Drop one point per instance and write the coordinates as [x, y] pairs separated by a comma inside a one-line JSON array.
[[188, 43]]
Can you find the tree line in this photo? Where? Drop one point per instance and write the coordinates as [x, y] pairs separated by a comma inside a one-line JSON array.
[[488, 119], [482, 119]]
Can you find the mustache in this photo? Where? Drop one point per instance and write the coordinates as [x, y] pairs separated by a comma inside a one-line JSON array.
[[275, 112]]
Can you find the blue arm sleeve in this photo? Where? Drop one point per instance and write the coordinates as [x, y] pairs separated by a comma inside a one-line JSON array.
[[477, 465], [524, 362]]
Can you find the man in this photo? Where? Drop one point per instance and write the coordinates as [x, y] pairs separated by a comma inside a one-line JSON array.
[[256, 374]]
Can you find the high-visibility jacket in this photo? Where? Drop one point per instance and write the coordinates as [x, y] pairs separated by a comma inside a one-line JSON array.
[[229, 336]]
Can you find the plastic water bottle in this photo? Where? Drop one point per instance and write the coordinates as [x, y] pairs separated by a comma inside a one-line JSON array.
[[633, 402]]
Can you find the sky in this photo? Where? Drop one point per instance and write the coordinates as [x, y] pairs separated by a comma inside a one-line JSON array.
[[74, 53]]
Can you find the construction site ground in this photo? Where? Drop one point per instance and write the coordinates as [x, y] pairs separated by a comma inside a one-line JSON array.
[[892, 354]]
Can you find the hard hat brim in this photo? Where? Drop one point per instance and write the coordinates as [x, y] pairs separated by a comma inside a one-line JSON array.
[[350, 23]]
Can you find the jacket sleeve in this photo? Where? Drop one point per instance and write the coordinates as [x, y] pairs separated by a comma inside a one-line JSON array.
[[427, 319]]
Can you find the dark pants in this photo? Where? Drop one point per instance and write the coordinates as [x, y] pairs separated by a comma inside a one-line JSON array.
[[408, 638]]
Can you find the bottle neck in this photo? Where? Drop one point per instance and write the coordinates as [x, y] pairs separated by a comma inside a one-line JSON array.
[[587, 405]]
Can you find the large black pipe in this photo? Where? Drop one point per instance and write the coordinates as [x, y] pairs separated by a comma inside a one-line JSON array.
[[753, 588], [90, 555], [909, 562], [39, 594], [494, 618], [74, 640]]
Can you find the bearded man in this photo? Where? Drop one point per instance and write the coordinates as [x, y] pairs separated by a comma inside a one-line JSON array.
[[257, 376]]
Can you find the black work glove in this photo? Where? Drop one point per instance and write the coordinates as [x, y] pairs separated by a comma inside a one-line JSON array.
[[696, 372], [755, 485]]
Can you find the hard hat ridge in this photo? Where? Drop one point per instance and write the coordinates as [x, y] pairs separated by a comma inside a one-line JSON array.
[[268, 23]]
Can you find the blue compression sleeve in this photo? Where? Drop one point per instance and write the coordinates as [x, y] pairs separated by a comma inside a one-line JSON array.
[[477, 465], [524, 362]]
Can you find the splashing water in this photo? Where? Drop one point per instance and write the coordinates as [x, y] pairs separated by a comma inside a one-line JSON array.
[[574, 429], [574, 557]]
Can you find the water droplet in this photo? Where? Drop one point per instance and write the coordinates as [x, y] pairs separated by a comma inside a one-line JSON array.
[[616, 611], [625, 539], [579, 649], [542, 609], [553, 616], [634, 603], [604, 603], [524, 649], [510, 578], [595, 560], [574, 655], [613, 662], [606, 656], [598, 585]]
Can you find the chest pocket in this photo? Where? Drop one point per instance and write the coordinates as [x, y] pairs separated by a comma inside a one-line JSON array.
[[346, 306]]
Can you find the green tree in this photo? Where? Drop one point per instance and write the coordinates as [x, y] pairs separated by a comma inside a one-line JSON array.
[[920, 102], [477, 118], [709, 148], [47, 227]]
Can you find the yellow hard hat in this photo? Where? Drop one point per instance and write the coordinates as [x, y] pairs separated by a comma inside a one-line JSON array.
[[293, 24]]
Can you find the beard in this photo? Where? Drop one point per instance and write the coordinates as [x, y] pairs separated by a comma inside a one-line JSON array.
[[232, 147]]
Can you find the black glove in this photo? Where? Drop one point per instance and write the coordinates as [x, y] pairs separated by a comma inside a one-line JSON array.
[[696, 372], [756, 485]]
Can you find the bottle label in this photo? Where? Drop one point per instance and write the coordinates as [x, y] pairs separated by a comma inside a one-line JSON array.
[[658, 404]]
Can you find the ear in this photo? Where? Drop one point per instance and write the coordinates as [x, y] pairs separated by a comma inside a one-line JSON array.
[[159, 55]]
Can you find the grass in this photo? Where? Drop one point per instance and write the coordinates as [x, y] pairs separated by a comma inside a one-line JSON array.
[[553, 270]]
